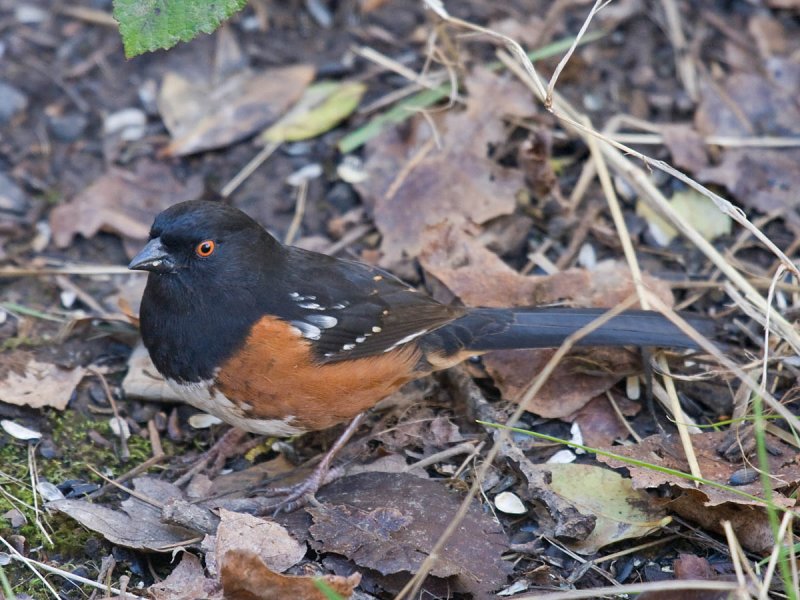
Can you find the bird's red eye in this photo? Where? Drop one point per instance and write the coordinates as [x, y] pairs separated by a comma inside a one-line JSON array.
[[206, 248]]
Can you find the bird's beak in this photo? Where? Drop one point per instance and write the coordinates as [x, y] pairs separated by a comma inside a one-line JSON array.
[[154, 258]]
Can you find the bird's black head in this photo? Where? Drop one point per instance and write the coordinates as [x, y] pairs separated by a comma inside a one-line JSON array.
[[212, 269], [201, 237]]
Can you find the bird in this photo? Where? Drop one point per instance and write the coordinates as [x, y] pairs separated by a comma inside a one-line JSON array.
[[278, 340]]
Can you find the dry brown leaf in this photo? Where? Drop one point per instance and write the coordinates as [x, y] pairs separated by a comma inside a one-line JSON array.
[[576, 380], [122, 202], [139, 526], [385, 522], [749, 104], [666, 451], [201, 115], [266, 539], [457, 183], [766, 180], [750, 523], [38, 384], [246, 577], [686, 146], [480, 278], [689, 566], [186, 582]]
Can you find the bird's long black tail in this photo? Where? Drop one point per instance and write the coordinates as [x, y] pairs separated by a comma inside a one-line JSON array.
[[484, 329]]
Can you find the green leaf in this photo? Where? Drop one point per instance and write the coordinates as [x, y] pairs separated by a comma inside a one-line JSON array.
[[323, 106], [621, 511], [147, 25]]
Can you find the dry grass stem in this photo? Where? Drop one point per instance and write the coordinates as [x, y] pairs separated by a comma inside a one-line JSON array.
[[34, 474], [299, 211], [249, 169], [32, 565], [724, 141], [636, 274], [784, 529], [684, 65]]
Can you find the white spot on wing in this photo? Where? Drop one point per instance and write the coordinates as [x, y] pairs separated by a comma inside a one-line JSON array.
[[323, 321], [376, 329], [348, 346], [310, 305], [308, 330]]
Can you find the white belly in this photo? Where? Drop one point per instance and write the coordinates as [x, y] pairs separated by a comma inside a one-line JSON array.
[[204, 396]]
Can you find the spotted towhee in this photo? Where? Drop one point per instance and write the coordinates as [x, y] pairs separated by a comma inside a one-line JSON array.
[[277, 340]]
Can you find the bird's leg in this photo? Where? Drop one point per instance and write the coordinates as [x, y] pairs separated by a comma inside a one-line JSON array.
[[300, 494], [229, 444]]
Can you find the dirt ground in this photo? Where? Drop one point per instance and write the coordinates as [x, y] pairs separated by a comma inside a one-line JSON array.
[[480, 196]]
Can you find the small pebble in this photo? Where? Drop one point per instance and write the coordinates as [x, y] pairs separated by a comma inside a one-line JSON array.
[[67, 128], [29, 14], [297, 148], [129, 123], [12, 198], [304, 175], [42, 237], [593, 102], [47, 449], [12, 101], [148, 96], [97, 394], [68, 298], [342, 197], [120, 427], [587, 257]]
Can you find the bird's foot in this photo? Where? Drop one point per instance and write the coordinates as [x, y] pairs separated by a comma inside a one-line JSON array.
[[213, 460], [297, 496]]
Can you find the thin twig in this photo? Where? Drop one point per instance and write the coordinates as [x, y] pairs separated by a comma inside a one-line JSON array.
[[299, 211], [249, 169]]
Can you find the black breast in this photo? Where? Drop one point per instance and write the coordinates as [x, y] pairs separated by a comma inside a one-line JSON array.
[[189, 336]]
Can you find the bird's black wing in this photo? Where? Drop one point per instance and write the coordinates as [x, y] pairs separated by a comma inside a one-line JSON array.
[[351, 310]]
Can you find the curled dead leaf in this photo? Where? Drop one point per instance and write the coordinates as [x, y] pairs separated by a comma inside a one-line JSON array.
[[246, 577]]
